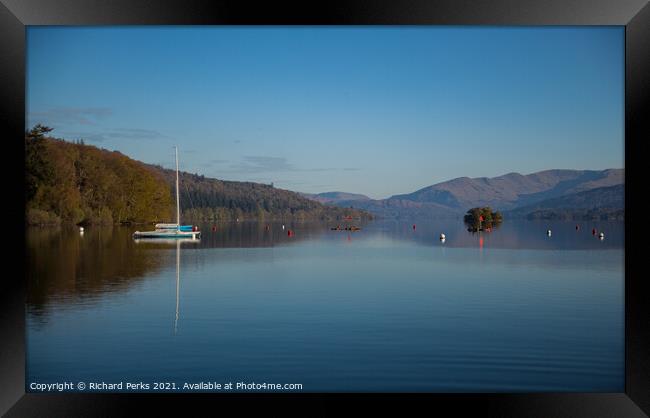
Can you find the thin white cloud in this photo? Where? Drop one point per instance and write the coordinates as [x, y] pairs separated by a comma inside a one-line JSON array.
[[115, 133], [58, 116], [265, 164]]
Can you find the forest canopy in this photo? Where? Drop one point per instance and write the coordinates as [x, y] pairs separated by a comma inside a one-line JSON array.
[[70, 182], [206, 199], [76, 183]]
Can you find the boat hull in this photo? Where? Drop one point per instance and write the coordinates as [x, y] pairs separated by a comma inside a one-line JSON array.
[[162, 234]]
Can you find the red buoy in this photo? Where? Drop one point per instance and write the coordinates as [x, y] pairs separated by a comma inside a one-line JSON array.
[[593, 231], [214, 227], [290, 233], [414, 227]]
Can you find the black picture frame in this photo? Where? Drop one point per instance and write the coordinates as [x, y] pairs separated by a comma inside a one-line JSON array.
[[15, 15]]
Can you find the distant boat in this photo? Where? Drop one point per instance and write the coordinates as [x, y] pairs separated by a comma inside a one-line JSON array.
[[347, 228], [174, 227], [166, 231]]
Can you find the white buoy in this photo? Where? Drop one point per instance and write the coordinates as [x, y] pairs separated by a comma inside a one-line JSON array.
[[81, 229], [601, 235], [442, 237], [548, 232], [282, 226]]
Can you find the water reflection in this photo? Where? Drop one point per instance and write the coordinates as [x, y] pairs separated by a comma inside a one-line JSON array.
[[178, 282], [332, 309], [165, 242], [259, 234], [158, 243], [65, 266], [509, 235]]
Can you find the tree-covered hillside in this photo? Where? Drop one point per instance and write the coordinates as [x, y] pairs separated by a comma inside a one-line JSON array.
[[208, 199], [77, 183]]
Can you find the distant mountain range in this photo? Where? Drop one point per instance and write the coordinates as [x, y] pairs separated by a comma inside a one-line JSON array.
[[598, 203], [77, 183], [516, 194]]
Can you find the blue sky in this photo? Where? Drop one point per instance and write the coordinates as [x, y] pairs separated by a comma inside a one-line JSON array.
[[372, 110]]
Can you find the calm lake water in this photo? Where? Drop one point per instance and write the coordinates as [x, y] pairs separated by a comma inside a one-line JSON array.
[[387, 308]]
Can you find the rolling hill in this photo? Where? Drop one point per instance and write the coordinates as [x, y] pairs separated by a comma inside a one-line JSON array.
[[78, 183], [208, 199], [505, 193], [513, 190], [599, 203], [70, 182]]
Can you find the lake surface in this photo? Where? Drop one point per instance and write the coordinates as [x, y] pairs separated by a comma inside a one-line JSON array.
[[387, 308]]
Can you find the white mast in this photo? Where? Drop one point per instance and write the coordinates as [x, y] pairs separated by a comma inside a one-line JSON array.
[[178, 204]]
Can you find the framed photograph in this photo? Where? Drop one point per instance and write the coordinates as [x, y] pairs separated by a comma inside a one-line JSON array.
[[436, 203]]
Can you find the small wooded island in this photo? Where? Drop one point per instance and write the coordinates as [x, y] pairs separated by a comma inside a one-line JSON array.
[[482, 219]]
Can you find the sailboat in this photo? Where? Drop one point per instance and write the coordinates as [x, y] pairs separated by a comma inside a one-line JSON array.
[[174, 226], [176, 230]]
